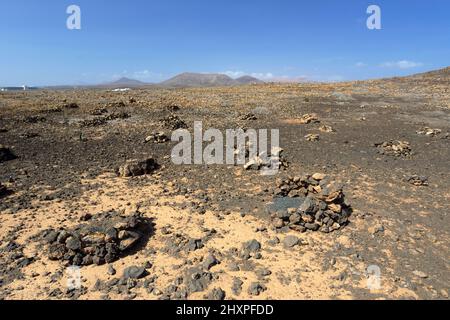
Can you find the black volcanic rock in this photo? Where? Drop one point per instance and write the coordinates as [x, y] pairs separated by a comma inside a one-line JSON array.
[[6, 154], [105, 239], [3, 190], [133, 168]]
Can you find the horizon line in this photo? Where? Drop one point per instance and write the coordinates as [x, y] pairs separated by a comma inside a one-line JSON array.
[[282, 80]]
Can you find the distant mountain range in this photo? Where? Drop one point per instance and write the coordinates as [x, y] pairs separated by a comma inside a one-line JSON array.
[[180, 81], [247, 80], [187, 79], [215, 80], [126, 82], [207, 80]]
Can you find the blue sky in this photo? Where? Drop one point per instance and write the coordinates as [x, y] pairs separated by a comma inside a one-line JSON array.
[[149, 40]]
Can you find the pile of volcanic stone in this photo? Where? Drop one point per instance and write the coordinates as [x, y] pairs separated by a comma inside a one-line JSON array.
[[99, 111], [417, 180], [394, 148], [429, 132], [71, 105], [312, 137], [157, 137], [6, 154], [117, 116], [275, 162], [98, 121], [309, 118], [104, 239], [322, 204], [173, 108], [134, 168], [120, 104], [326, 128], [173, 122], [249, 117]]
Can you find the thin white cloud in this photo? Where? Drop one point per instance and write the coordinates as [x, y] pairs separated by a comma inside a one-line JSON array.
[[360, 64], [234, 74], [271, 77], [146, 75], [259, 75], [262, 76], [265, 76], [402, 64], [142, 75]]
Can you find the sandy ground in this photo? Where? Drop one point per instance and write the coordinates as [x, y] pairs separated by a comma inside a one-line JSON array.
[[64, 171]]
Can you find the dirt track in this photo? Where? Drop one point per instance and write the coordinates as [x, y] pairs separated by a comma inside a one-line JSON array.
[[66, 169]]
